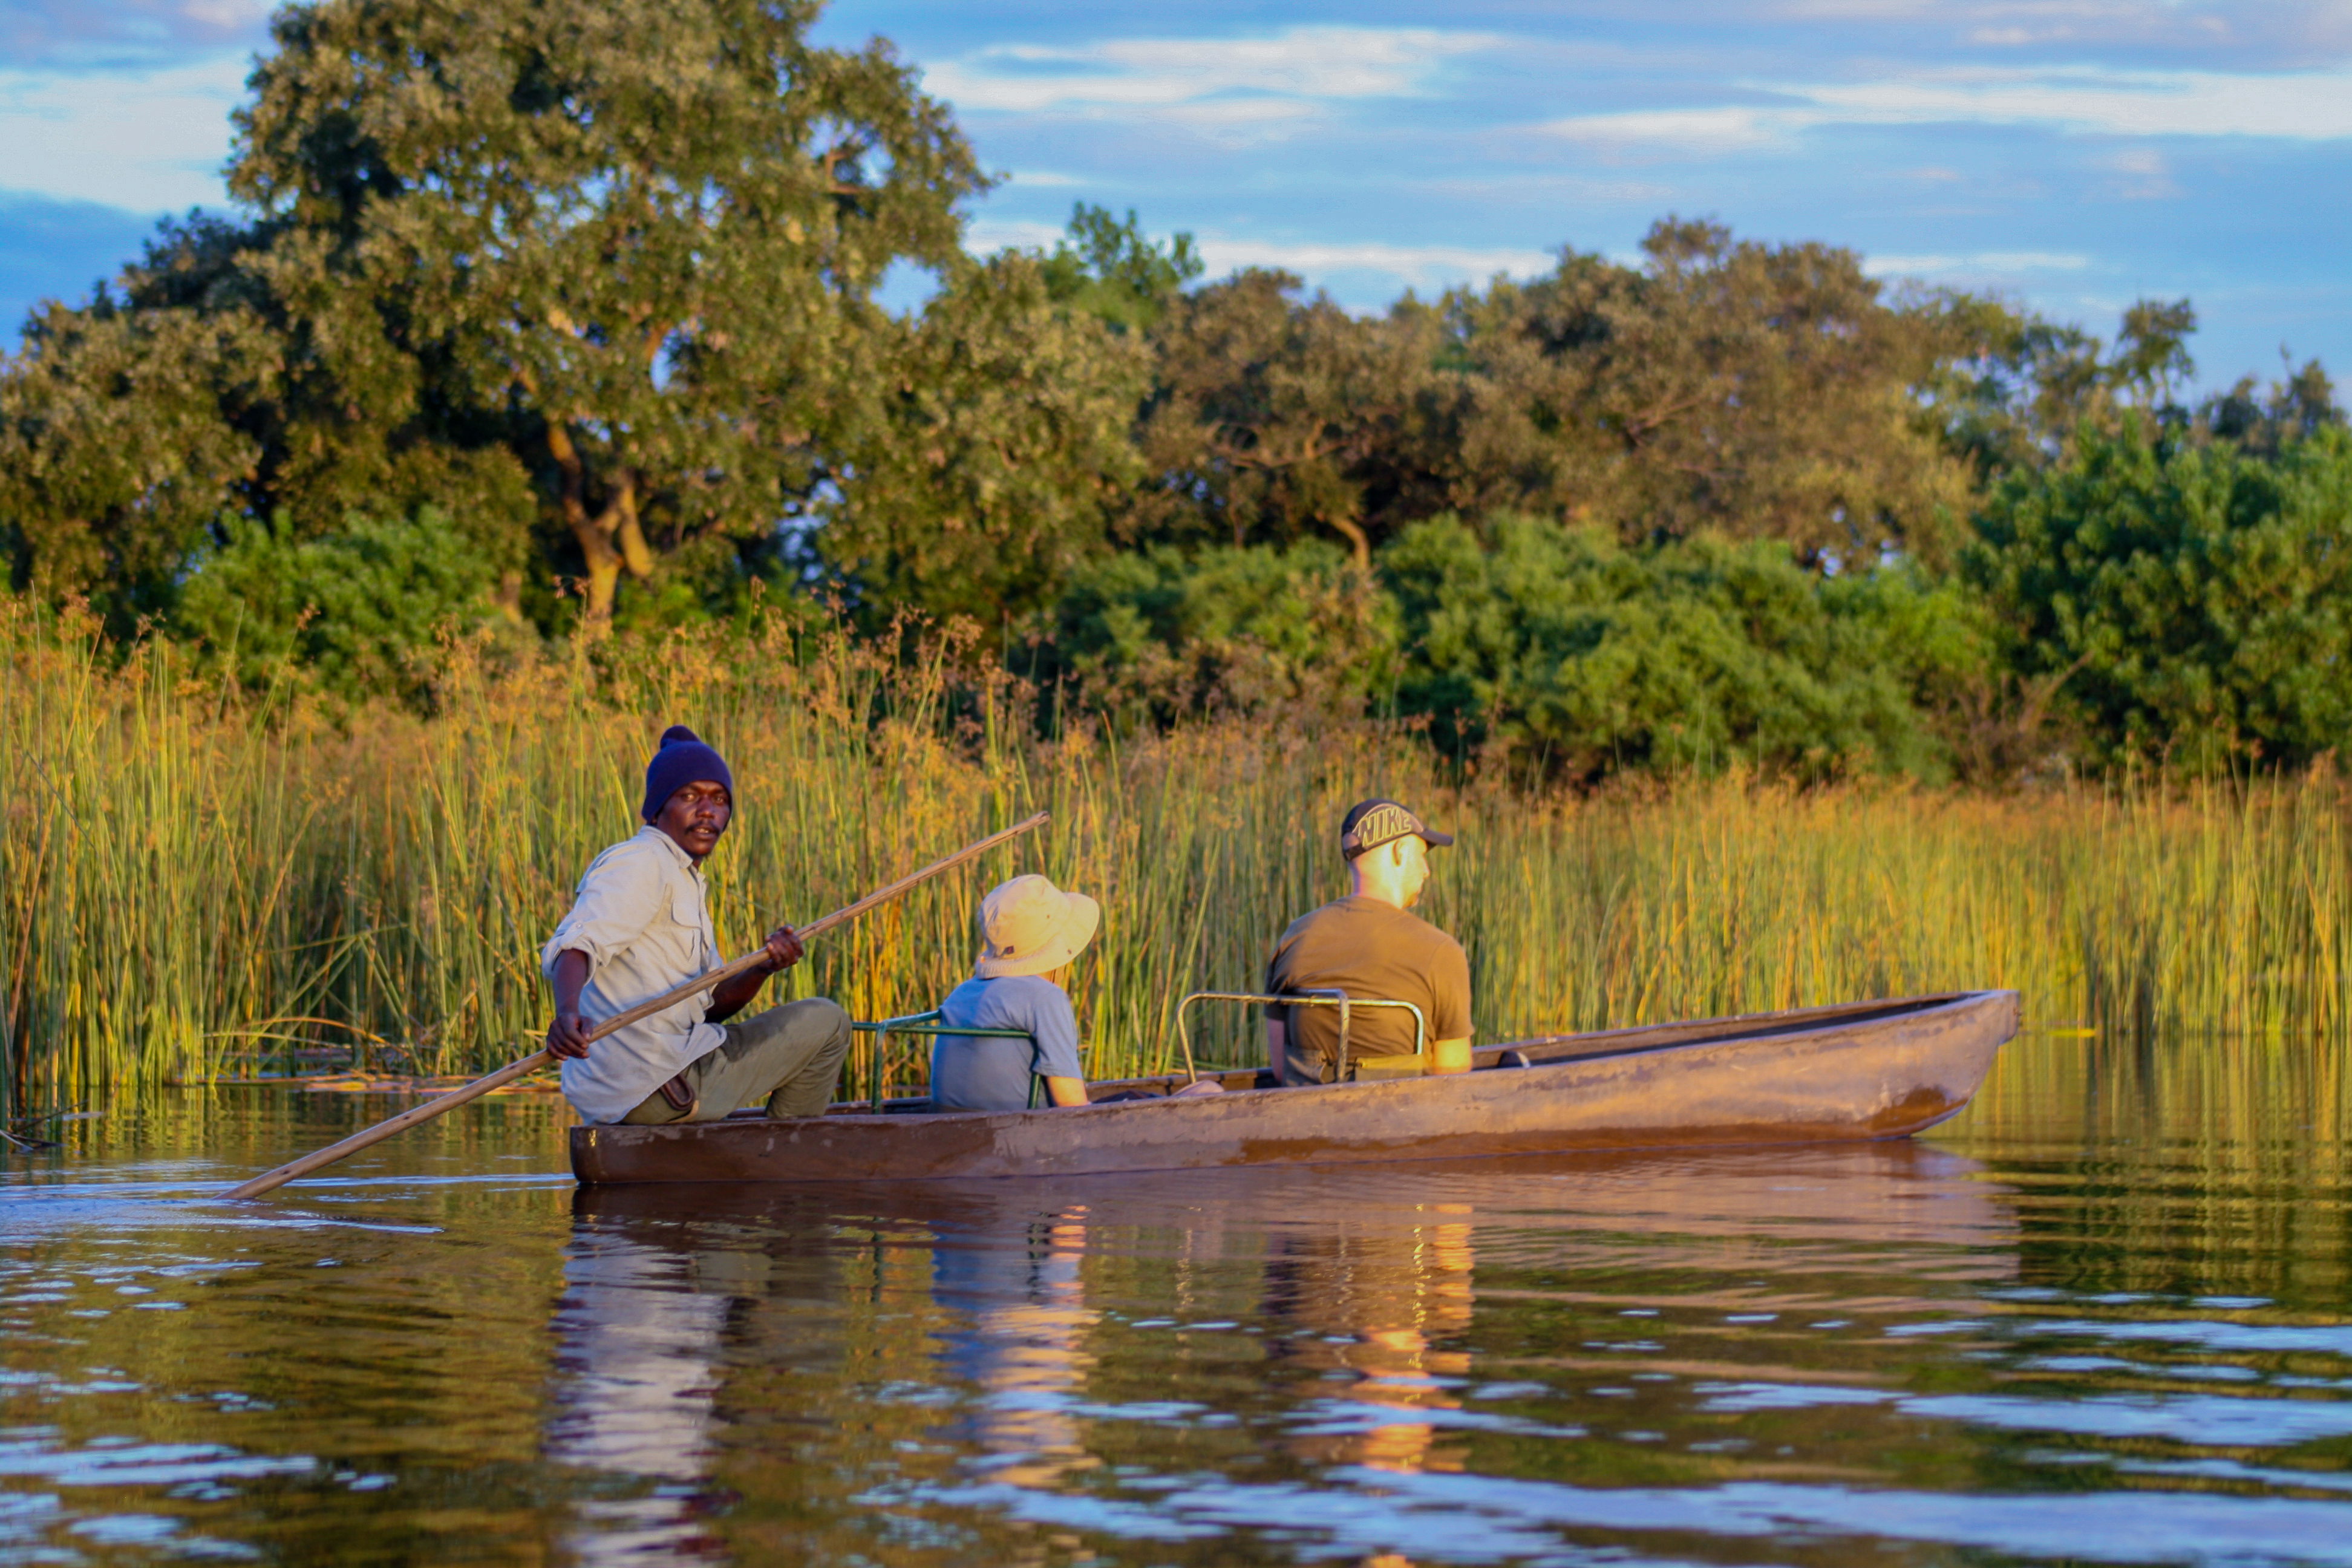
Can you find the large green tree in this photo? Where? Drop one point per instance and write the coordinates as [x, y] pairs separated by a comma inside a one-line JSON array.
[[1723, 386], [1109, 269], [1278, 418], [992, 449], [126, 426], [605, 269], [2017, 394]]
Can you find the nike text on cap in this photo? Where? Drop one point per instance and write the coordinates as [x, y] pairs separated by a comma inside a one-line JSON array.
[[1372, 823]]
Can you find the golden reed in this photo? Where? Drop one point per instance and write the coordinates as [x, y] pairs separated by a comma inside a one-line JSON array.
[[194, 883]]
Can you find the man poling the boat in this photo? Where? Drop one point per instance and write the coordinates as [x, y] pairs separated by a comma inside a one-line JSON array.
[[1369, 946], [640, 926]]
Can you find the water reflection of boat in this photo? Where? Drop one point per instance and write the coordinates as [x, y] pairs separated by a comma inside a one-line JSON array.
[[1864, 1071], [1035, 1339], [1379, 1310], [633, 1395], [1901, 1193], [1017, 1323]]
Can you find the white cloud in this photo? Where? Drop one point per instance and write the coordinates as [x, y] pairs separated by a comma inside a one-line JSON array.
[[227, 14], [1697, 132], [2277, 32], [2037, 18], [149, 141], [2142, 175], [1411, 264], [1043, 178], [1984, 264], [1549, 186], [1423, 266], [113, 34], [987, 233], [2311, 106], [1236, 119], [1297, 67]]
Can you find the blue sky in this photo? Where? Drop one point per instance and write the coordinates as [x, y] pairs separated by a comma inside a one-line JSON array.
[[2073, 154]]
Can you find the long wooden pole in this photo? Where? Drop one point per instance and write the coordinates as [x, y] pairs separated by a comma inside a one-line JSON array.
[[270, 1180]]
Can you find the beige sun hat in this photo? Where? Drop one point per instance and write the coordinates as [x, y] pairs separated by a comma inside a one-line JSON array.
[[1028, 926]]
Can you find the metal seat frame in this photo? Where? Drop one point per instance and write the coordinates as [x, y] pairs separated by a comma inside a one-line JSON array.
[[923, 1024], [1331, 996], [1321, 997]]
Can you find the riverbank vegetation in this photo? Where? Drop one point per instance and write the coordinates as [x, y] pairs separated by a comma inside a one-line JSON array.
[[1773, 633], [193, 882], [520, 336]]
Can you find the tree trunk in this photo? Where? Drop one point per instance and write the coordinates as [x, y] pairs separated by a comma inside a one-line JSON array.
[[594, 532], [1359, 543], [634, 551], [603, 578], [595, 537]]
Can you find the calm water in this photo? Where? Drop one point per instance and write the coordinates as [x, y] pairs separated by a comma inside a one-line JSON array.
[[2105, 1318]]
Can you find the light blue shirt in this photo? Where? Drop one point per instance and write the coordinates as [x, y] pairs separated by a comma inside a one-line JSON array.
[[976, 1073]]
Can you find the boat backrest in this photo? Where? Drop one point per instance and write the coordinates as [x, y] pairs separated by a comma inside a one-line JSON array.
[[1318, 997], [923, 1024]]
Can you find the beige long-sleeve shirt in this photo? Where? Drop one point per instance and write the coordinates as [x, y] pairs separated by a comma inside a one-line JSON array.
[[642, 915]]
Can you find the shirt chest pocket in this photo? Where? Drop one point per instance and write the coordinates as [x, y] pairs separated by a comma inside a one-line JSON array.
[[685, 913]]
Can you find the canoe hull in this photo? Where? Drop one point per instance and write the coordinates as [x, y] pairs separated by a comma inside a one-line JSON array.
[[1825, 1075]]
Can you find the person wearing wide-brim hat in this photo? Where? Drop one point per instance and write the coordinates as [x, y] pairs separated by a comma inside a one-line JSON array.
[[1368, 946], [1031, 935]]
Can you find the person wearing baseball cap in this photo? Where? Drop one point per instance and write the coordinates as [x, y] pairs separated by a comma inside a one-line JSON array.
[[1369, 945]]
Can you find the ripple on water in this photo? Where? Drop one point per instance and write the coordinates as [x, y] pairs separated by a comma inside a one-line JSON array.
[[2012, 1343]]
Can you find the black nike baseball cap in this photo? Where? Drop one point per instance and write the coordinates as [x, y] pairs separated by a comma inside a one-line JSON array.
[[1372, 823]]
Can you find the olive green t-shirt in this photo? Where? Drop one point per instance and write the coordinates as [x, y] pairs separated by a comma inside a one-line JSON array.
[[1366, 948]]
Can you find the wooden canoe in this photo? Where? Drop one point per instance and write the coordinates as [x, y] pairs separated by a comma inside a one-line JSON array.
[[1843, 1074]]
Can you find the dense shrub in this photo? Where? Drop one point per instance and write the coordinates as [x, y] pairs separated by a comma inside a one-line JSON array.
[[2188, 601], [354, 615], [1557, 645], [1541, 646], [1157, 633]]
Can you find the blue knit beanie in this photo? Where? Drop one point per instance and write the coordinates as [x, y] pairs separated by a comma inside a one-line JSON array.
[[682, 760]]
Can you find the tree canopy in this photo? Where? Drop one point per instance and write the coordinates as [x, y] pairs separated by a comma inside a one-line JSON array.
[[2193, 601], [597, 279], [533, 321]]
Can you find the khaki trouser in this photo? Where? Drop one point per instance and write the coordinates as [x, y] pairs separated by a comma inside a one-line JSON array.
[[790, 1056]]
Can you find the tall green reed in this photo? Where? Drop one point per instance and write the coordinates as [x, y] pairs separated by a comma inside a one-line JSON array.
[[191, 885]]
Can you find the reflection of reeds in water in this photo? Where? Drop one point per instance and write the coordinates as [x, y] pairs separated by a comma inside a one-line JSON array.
[[2279, 1100], [188, 886], [2192, 1164]]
